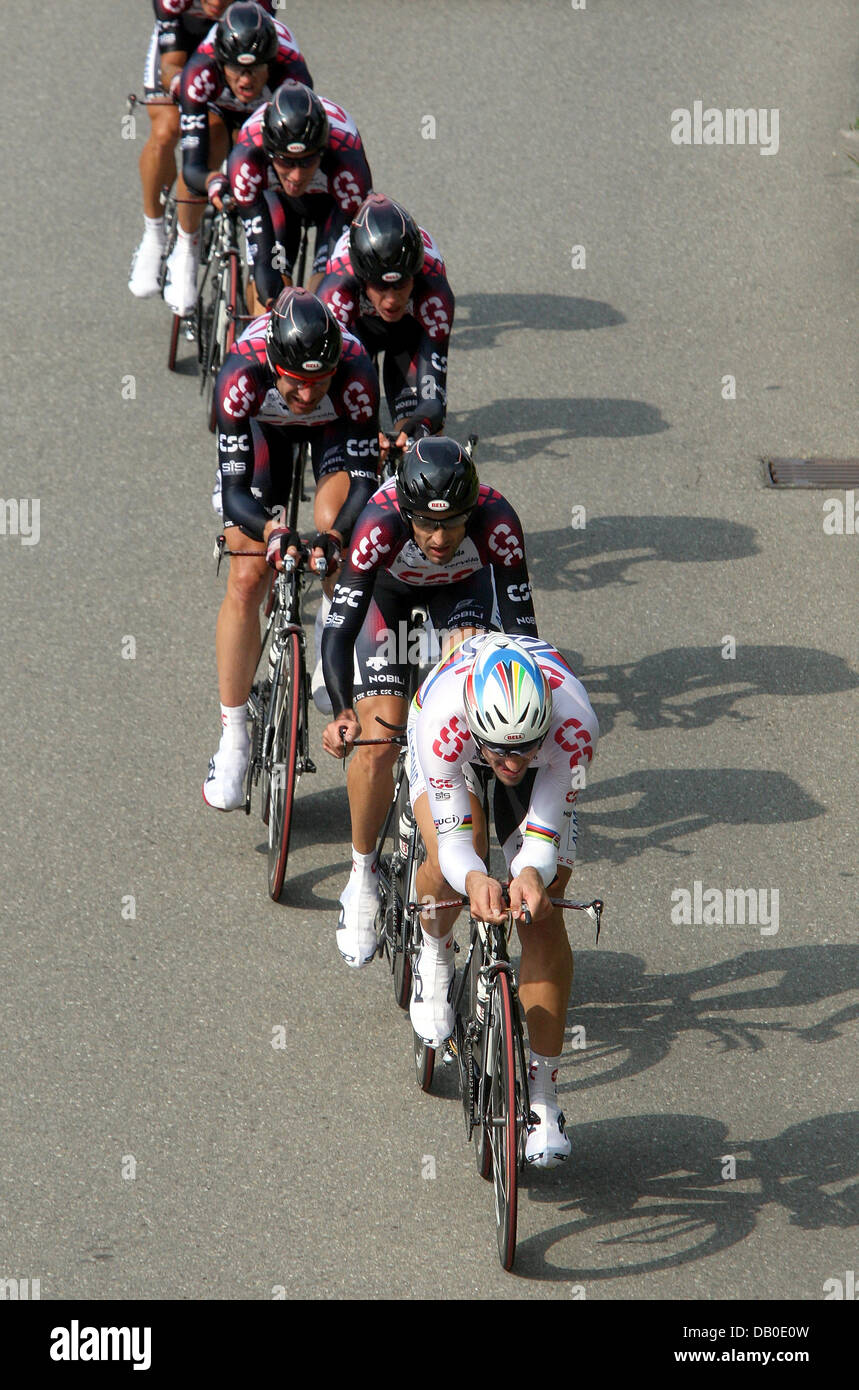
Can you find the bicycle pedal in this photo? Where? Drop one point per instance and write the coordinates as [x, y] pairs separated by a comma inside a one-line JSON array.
[[309, 764], [449, 1053]]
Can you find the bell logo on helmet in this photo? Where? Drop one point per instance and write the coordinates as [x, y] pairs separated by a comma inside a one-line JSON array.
[[295, 147], [247, 59], [390, 276], [438, 504], [312, 365]]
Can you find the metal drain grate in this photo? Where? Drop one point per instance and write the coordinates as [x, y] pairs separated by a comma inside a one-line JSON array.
[[812, 472]]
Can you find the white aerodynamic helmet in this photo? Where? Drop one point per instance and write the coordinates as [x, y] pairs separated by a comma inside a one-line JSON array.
[[508, 701]]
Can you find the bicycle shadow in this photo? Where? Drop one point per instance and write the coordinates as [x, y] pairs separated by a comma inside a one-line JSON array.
[[631, 1019], [482, 320], [572, 559], [319, 818], [654, 808], [655, 1192], [680, 687], [551, 421]]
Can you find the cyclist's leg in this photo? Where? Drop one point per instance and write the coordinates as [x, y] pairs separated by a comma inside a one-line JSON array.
[[431, 1005], [157, 171], [545, 980], [180, 290], [237, 644], [380, 685]]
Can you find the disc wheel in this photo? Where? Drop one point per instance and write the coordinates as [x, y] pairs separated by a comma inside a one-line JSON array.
[[287, 717]]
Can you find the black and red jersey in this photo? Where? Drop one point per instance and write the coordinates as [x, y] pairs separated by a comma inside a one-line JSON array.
[[245, 390], [204, 87], [182, 24], [425, 326], [343, 176], [382, 544]]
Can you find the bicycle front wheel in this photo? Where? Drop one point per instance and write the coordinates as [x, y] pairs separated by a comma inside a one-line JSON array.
[[502, 1115], [283, 776]]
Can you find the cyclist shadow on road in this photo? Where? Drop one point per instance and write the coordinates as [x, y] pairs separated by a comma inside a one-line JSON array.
[[483, 320], [691, 687], [609, 548], [631, 1019], [549, 422], [656, 807], [656, 1192]]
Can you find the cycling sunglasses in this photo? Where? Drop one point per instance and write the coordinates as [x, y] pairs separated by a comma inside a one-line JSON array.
[[291, 162], [433, 523], [504, 750], [295, 376]]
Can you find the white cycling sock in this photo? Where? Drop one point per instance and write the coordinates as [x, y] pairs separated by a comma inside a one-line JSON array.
[[153, 229], [190, 240], [542, 1076], [234, 719], [437, 949]]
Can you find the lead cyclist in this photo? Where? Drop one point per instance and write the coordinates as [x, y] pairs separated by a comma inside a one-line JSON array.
[[514, 705]]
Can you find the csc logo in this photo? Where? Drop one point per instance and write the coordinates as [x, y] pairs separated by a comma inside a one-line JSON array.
[[252, 226], [579, 742], [361, 448], [505, 545], [239, 399], [193, 122], [233, 443], [246, 182], [357, 401], [347, 190], [451, 740], [434, 316], [351, 597], [369, 549], [519, 593], [202, 85], [342, 305]]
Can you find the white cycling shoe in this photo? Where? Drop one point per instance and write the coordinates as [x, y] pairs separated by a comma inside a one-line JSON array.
[[224, 788], [143, 280], [180, 288], [356, 930], [430, 1007], [548, 1144]]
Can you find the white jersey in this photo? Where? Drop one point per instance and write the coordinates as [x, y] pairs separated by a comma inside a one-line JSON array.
[[441, 747]]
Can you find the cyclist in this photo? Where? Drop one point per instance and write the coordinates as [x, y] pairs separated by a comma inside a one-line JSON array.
[[385, 281], [513, 704], [180, 26], [434, 536], [225, 81], [299, 159], [294, 376]]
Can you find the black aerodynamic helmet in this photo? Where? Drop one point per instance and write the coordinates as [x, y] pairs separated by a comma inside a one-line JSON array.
[[246, 35], [303, 337], [436, 476], [385, 243], [295, 121]]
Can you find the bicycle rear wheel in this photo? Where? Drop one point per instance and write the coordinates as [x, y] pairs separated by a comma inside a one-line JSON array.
[[287, 720], [502, 1115]]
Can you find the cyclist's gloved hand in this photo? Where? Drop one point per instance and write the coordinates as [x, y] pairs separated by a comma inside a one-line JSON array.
[[279, 542], [217, 187], [427, 420], [330, 547]]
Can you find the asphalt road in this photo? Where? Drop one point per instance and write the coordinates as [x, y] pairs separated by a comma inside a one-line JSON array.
[[309, 1167]]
